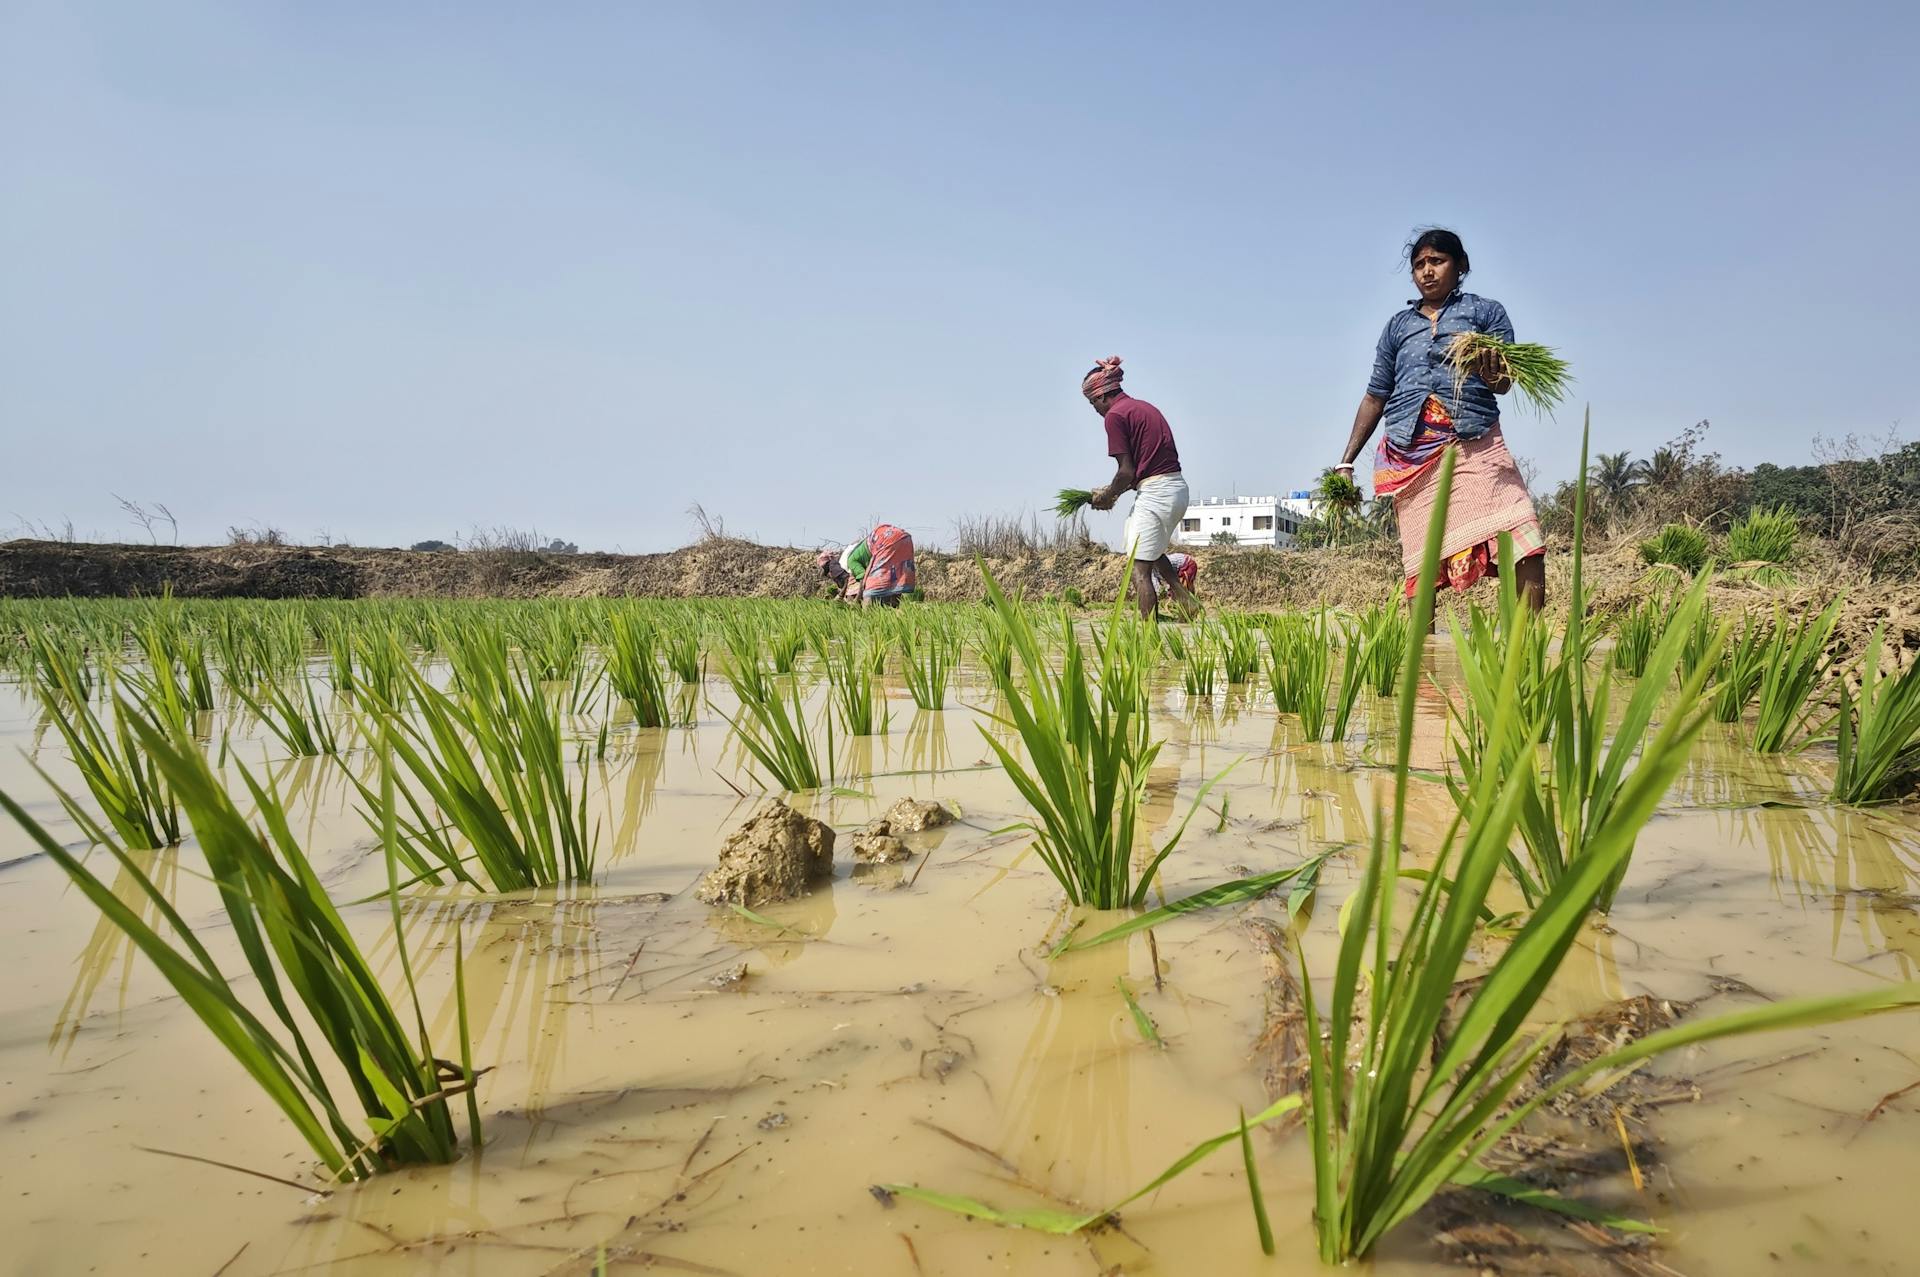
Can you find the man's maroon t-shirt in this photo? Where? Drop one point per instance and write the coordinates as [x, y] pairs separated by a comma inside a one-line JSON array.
[[1136, 427]]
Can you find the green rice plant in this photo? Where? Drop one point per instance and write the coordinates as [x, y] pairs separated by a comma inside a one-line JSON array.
[[1173, 642], [1071, 501], [1539, 374], [551, 643], [1742, 665], [381, 665], [1793, 668], [1636, 633], [743, 662], [1879, 750], [995, 650], [132, 794], [1201, 662], [299, 723], [1240, 647], [1699, 645], [1383, 629], [1088, 755], [1764, 537], [927, 662], [773, 728], [1353, 677], [1677, 545], [683, 655], [1297, 659], [1400, 1109], [490, 756], [784, 645], [298, 951], [850, 678], [633, 668]]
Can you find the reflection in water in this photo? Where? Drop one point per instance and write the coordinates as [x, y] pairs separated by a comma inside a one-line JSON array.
[[927, 749], [1864, 866], [108, 944], [637, 778], [1069, 1114]]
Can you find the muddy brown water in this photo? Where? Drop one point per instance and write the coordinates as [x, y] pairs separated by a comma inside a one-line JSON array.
[[638, 1105]]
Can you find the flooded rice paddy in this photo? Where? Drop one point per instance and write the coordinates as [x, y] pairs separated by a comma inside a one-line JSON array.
[[683, 1088]]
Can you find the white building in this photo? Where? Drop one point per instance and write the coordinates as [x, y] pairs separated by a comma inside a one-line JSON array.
[[1273, 521]]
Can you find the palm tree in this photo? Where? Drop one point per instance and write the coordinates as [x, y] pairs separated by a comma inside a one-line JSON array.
[[1666, 468], [1616, 477]]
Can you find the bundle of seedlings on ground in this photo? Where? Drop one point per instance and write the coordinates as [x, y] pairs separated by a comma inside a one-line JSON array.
[[629, 646], [1879, 748], [1792, 668], [1676, 545], [1761, 542], [1400, 1106], [301, 955], [1540, 375], [297, 721], [1088, 756], [132, 794], [490, 756], [1072, 501]]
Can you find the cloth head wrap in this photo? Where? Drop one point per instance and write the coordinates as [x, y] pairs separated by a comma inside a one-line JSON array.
[[1104, 379]]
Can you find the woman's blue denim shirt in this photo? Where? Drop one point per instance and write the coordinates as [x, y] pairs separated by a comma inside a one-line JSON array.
[[1410, 363]]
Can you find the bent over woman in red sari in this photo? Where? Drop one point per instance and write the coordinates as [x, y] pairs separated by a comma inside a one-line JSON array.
[[1427, 412]]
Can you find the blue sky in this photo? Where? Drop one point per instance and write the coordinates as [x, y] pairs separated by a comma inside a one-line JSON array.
[[391, 271]]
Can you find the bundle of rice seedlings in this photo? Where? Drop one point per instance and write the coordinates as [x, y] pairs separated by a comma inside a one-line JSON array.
[[1536, 371], [1072, 501], [1764, 536], [1677, 545], [1340, 491]]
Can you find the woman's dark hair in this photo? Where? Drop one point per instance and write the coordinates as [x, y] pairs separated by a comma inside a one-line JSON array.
[[1439, 237]]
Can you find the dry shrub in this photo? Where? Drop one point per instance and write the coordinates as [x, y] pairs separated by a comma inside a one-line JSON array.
[[998, 537]]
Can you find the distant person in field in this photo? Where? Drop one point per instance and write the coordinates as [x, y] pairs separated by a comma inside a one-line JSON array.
[[875, 570], [1412, 388], [1185, 567], [1147, 464]]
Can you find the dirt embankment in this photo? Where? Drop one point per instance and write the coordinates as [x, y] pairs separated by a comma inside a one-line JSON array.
[[728, 568]]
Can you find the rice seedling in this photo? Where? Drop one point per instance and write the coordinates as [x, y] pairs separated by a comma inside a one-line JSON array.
[[1173, 642], [1636, 633], [1399, 1110], [1071, 501], [1676, 545], [784, 645], [633, 669], [294, 941], [1383, 629], [1879, 750], [850, 676], [682, 649], [299, 723], [1088, 755], [1763, 537], [490, 756], [1240, 647], [1794, 664], [774, 729], [1539, 374], [1297, 660], [1353, 677], [1200, 660], [128, 786], [927, 661], [1742, 665]]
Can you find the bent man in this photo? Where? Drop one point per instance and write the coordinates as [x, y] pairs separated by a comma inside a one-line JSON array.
[[1147, 464]]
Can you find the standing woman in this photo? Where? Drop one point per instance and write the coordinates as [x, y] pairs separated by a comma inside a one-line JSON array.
[[1413, 388]]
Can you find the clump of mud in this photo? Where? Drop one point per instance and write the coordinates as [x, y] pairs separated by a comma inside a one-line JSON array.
[[773, 857], [879, 843]]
